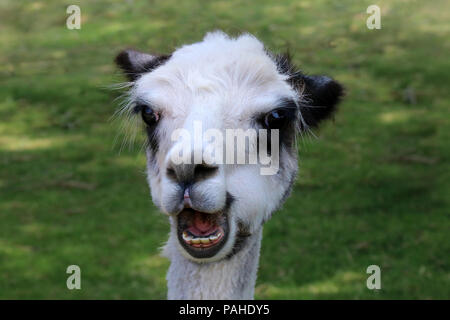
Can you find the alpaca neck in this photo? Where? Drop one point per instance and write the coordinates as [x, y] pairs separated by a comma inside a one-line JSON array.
[[232, 278]]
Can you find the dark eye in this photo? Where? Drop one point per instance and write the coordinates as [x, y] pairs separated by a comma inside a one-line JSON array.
[[276, 119], [148, 115]]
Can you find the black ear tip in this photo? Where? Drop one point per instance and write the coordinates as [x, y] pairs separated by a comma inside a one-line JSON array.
[[323, 90], [335, 91], [134, 63], [121, 56], [123, 59], [322, 95]]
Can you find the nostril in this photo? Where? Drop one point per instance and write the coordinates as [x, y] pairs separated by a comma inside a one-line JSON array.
[[171, 172], [204, 170], [189, 173]]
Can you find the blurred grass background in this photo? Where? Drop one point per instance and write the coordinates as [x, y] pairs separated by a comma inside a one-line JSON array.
[[372, 189]]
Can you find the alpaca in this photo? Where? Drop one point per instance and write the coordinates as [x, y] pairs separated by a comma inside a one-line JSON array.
[[216, 212]]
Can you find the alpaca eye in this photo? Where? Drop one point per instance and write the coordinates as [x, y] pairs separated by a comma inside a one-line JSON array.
[[276, 119], [148, 115]]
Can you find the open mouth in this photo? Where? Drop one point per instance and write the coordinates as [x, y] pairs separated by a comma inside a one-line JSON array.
[[201, 234]]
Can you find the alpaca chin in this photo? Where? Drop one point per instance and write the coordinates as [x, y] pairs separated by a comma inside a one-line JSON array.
[[230, 277]]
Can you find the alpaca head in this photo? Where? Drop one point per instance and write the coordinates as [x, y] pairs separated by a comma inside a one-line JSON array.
[[219, 84]]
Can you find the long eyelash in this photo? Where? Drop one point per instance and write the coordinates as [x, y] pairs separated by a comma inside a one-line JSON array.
[[138, 104], [262, 117], [302, 128], [137, 108], [129, 123]]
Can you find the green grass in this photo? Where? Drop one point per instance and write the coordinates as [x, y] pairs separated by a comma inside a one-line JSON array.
[[373, 188]]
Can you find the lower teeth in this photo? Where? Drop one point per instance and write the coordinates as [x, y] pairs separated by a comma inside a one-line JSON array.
[[198, 240]]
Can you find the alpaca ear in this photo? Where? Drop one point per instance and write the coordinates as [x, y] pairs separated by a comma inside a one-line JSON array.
[[322, 95], [134, 63]]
